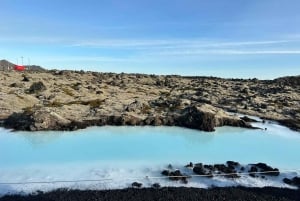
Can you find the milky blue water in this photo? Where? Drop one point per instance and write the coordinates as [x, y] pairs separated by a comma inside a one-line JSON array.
[[57, 155]]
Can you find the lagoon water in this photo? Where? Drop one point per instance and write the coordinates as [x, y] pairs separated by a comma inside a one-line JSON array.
[[115, 153]]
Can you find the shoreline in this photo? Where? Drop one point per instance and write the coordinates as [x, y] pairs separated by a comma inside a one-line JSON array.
[[70, 100], [165, 193]]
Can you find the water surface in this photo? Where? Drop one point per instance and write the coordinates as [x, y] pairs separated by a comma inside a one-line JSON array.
[[104, 152]]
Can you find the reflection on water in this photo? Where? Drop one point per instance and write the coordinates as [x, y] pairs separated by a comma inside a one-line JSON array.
[[40, 138]]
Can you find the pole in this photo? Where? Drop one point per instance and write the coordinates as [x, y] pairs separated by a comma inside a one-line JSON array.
[[22, 60], [28, 63]]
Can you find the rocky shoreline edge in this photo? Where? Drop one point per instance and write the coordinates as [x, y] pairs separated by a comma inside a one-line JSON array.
[[201, 117], [229, 176], [70, 100], [166, 193]]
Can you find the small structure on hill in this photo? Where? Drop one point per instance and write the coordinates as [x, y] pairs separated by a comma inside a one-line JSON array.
[[19, 68]]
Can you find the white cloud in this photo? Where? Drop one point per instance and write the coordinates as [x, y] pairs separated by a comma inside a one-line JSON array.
[[170, 43], [83, 59], [227, 52]]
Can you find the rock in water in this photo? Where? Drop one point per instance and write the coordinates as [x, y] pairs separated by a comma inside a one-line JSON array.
[[41, 119], [194, 117], [136, 185]]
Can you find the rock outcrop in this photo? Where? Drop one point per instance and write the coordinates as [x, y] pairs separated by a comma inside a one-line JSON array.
[[201, 117], [69, 100]]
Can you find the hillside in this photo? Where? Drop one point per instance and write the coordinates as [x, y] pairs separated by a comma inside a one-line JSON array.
[[7, 65]]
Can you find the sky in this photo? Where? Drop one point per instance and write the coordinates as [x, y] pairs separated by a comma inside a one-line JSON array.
[[231, 39]]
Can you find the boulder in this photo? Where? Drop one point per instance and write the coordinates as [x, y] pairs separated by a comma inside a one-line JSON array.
[[294, 181], [39, 119], [25, 78], [37, 87], [134, 106], [165, 172], [248, 119], [156, 185], [268, 169], [206, 117], [136, 185], [175, 175], [195, 118]]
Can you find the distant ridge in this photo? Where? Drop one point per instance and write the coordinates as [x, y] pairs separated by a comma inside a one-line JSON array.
[[35, 68], [289, 80], [7, 65]]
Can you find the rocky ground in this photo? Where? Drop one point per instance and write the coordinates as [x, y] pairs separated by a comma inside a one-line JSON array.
[[174, 194], [68, 100]]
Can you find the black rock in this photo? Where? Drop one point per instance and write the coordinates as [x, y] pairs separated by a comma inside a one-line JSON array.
[[287, 181], [252, 171], [37, 87], [165, 172], [232, 163], [209, 167], [199, 169], [136, 185], [190, 165], [268, 169], [156, 185], [176, 175], [294, 181], [25, 78], [170, 166], [247, 119]]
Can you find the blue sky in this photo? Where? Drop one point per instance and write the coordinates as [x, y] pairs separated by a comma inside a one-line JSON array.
[[232, 38]]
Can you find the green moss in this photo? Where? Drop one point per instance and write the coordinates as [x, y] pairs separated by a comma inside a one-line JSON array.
[[28, 110], [93, 103], [55, 104], [146, 109], [68, 91]]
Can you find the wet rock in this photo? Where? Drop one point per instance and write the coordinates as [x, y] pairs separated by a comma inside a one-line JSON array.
[[252, 171], [293, 124], [156, 185], [36, 120], [194, 118], [228, 171], [232, 163], [268, 169], [190, 165], [136, 185], [248, 119], [294, 181], [165, 172], [175, 175], [209, 167], [199, 169]]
